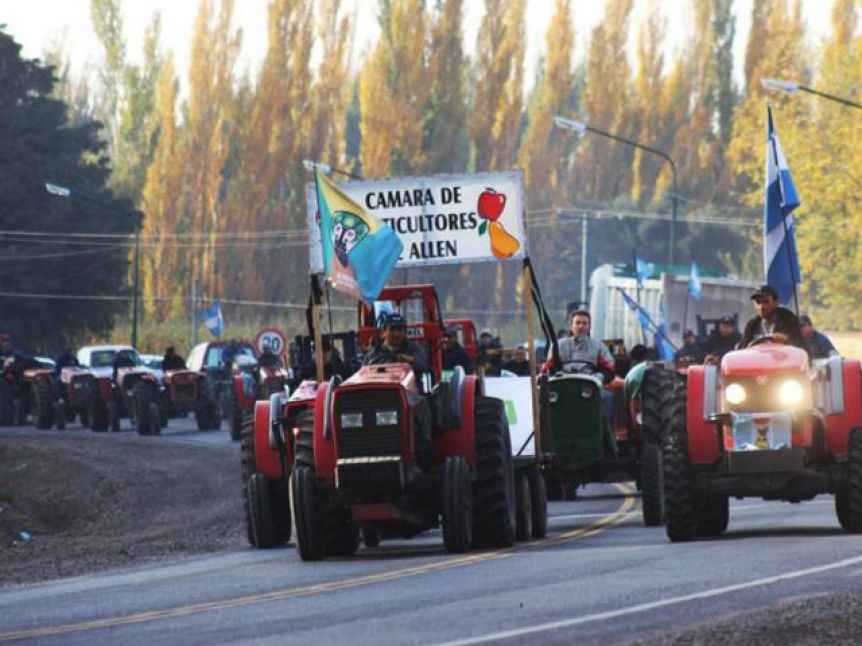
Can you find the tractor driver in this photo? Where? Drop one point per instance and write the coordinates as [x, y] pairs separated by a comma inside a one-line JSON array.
[[581, 347], [394, 347], [772, 320]]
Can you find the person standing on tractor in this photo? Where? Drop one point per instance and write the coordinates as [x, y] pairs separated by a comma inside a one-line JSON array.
[[66, 359], [394, 347], [519, 364], [690, 352], [490, 354], [172, 361], [582, 348], [819, 345], [123, 359], [772, 320], [454, 353], [722, 340]]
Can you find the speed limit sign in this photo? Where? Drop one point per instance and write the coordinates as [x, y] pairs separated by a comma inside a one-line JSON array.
[[270, 338]]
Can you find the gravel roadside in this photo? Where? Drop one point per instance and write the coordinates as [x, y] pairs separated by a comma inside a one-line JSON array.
[[93, 502]]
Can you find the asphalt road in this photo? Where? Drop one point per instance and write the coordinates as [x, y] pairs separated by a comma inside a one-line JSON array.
[[600, 577]]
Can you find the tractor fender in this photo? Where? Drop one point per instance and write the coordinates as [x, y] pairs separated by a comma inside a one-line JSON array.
[[240, 390], [703, 443], [106, 389], [461, 441], [34, 374], [324, 447], [265, 458], [839, 425]]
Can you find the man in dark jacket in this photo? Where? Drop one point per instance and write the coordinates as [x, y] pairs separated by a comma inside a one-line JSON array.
[[721, 340], [772, 320], [394, 347], [519, 364], [819, 345], [172, 360], [66, 359], [454, 353]]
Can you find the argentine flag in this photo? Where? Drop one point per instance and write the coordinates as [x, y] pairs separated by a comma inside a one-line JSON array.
[[213, 320], [643, 270], [781, 263], [694, 282]]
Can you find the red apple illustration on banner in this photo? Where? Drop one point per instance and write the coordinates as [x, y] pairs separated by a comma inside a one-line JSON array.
[[490, 207]]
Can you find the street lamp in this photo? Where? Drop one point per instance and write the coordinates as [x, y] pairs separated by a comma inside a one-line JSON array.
[[581, 128], [65, 192], [792, 88]]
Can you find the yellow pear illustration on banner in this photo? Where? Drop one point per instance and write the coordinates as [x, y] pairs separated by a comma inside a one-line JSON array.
[[490, 208]]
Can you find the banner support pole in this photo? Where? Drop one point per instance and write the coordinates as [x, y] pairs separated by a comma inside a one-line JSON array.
[[531, 349]]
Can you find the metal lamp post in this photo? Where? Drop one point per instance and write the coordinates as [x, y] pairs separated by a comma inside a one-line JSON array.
[[65, 192], [581, 128], [790, 87]]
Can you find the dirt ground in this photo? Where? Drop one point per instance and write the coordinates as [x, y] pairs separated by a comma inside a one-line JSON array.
[[89, 505]]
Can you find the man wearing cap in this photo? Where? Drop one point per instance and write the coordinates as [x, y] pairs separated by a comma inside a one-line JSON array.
[[819, 345], [722, 340], [454, 353], [690, 352], [772, 320], [490, 353], [394, 347]]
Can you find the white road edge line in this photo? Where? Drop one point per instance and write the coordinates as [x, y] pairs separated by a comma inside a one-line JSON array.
[[643, 607], [733, 508]]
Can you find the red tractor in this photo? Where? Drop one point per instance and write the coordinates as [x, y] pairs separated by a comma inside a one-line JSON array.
[[179, 393], [351, 452], [766, 423], [237, 379]]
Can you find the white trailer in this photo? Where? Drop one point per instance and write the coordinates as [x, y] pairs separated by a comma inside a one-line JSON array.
[[612, 319]]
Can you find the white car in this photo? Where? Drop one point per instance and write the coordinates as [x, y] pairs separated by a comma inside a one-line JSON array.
[[100, 358], [154, 363]]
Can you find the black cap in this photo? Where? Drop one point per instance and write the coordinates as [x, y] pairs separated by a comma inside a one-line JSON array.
[[727, 319], [689, 333], [765, 290], [804, 319], [394, 320]]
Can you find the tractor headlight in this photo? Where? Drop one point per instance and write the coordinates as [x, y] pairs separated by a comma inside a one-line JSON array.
[[386, 418], [587, 392], [351, 420], [735, 394], [790, 393]]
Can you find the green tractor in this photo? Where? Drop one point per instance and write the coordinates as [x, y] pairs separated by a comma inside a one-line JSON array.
[[582, 448]]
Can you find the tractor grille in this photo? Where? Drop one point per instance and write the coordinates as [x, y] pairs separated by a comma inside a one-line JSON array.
[[185, 393], [368, 440]]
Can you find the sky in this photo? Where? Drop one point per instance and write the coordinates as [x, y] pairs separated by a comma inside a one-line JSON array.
[[38, 24]]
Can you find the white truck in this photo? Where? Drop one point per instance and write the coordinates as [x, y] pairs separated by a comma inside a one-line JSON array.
[[668, 293]]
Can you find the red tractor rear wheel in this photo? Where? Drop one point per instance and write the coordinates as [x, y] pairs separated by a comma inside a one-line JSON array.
[[494, 485], [268, 513], [848, 503], [680, 503], [43, 403]]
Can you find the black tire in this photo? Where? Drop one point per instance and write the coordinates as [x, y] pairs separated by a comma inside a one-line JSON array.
[[539, 504], [207, 414], [268, 520], [306, 515], [7, 415], [69, 412], [43, 404], [457, 505], [680, 498], [234, 413], [494, 485], [371, 537], [657, 402], [155, 418], [114, 416], [713, 514], [304, 443], [19, 411], [523, 509], [652, 500], [60, 414], [247, 468], [848, 502], [341, 535], [142, 396]]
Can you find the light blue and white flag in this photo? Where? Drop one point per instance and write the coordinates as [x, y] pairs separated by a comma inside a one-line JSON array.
[[643, 316], [781, 263], [213, 320], [662, 344], [644, 270], [694, 282]]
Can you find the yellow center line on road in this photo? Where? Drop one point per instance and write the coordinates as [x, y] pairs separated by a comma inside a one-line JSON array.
[[613, 518]]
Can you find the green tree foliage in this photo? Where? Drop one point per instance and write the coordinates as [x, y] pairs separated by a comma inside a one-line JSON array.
[[39, 145]]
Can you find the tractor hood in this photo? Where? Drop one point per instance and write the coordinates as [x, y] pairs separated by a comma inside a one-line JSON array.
[[384, 373], [764, 359]]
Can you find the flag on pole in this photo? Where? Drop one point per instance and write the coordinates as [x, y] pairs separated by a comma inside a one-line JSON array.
[[637, 308], [662, 344], [213, 320], [781, 263], [643, 270], [694, 282], [359, 251]]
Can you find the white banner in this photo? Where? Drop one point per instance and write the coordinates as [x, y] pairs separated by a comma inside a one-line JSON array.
[[441, 219], [518, 400]]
